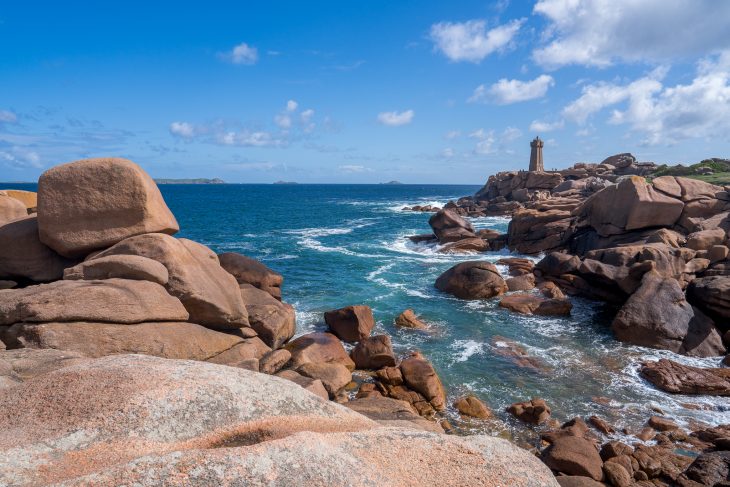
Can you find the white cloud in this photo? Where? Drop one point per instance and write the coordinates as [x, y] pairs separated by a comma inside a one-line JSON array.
[[291, 106], [307, 115], [511, 134], [471, 41], [246, 138], [182, 129], [242, 54], [395, 119], [507, 91], [699, 109], [540, 126], [447, 153], [452, 134], [485, 141], [20, 158], [6, 116], [602, 32], [351, 168], [283, 121]]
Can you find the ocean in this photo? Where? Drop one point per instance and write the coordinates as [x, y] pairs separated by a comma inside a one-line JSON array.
[[338, 245]]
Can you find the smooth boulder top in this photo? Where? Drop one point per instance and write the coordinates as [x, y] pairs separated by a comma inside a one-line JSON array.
[[106, 412], [132, 267], [28, 198], [318, 347], [352, 323], [472, 280], [10, 208], [94, 203], [209, 293], [250, 271], [107, 301]]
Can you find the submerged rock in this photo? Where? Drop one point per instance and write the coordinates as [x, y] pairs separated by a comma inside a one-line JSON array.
[[471, 406], [408, 319], [95, 203], [534, 411], [535, 304]]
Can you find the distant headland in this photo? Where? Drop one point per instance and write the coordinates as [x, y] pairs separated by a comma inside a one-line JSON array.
[[392, 182], [190, 181], [285, 182]]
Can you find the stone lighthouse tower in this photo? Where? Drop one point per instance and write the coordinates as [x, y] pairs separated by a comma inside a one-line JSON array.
[[536, 155]]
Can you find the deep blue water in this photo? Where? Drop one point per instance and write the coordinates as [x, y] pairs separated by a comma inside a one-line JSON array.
[[338, 245]]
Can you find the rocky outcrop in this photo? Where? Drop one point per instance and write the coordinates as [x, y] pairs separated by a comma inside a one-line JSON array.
[[392, 412], [352, 323], [450, 227], [318, 347], [175, 340], [334, 376], [95, 203], [209, 293], [132, 267], [408, 319], [274, 321], [419, 375], [373, 353], [658, 316], [472, 280], [249, 271], [533, 304], [573, 455], [712, 295], [532, 231], [107, 301], [676, 378], [23, 255]]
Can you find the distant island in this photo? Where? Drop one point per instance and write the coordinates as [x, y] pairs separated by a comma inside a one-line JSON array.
[[392, 182], [190, 181], [285, 182]]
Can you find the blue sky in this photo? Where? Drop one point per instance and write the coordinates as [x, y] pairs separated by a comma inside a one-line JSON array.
[[361, 92]]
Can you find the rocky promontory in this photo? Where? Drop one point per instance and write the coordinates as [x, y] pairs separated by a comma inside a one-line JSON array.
[[131, 356]]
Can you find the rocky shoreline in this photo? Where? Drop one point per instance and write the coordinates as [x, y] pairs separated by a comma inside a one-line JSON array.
[[656, 249], [204, 382]]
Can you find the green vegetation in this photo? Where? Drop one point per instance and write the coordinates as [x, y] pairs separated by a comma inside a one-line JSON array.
[[715, 171]]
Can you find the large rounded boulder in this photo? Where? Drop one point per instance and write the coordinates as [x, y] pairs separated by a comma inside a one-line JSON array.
[[209, 293], [274, 321], [250, 271], [94, 203], [10, 208], [472, 280]]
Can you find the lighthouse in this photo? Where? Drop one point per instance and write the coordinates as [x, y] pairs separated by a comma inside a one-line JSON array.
[[536, 155]]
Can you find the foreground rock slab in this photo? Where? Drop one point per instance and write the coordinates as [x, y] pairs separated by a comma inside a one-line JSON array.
[[95, 203]]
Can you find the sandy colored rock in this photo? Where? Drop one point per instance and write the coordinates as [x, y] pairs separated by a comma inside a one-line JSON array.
[[176, 340], [373, 353], [274, 361], [534, 411], [450, 227], [378, 458], [471, 406], [551, 290], [22, 254], [629, 205], [408, 319], [274, 321], [617, 475], [472, 280], [28, 198], [314, 386], [60, 425], [535, 304], [242, 353], [524, 282], [392, 412], [676, 378], [10, 208], [209, 293], [706, 239], [107, 301], [352, 323], [658, 316], [94, 203], [318, 347], [333, 376], [250, 271], [25, 363], [573, 455], [132, 267], [465, 245], [419, 375]]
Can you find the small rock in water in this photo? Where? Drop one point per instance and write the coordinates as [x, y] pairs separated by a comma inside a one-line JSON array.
[[662, 424], [408, 319], [534, 304], [646, 434], [601, 425], [534, 411], [472, 407]]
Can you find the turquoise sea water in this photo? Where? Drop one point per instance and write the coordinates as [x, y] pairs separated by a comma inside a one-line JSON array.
[[338, 245]]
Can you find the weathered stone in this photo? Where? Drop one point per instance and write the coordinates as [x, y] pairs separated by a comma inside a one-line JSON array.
[[274, 361], [352, 323], [534, 231], [390, 375], [617, 475], [408, 319], [534, 411], [22, 364], [243, 353], [629, 205], [712, 295], [392, 412], [373, 353], [662, 424], [274, 321], [718, 253], [524, 282], [712, 468], [22, 254], [450, 227], [577, 481], [107, 301], [312, 385], [573, 455], [465, 245], [472, 280], [95, 203], [535, 304], [318, 347], [334, 376], [706, 239], [10, 209], [209, 293], [614, 449], [658, 316], [471, 406], [132, 267], [250, 271], [28, 198], [419, 375], [676, 378]]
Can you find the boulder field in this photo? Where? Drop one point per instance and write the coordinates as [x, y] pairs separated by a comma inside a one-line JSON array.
[[131, 356]]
